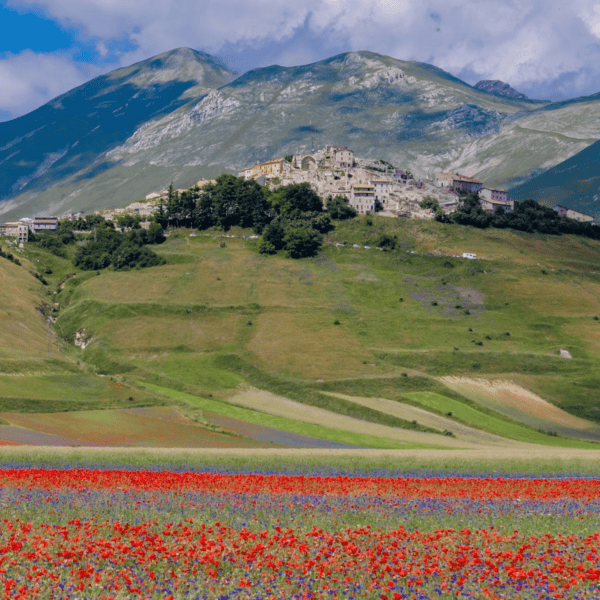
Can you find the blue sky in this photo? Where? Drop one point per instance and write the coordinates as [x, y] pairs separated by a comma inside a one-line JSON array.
[[544, 48]]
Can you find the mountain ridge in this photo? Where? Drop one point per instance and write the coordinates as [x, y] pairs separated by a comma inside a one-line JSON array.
[[188, 116]]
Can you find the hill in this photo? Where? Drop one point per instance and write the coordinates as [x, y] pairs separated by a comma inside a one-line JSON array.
[[574, 183], [182, 116], [345, 348]]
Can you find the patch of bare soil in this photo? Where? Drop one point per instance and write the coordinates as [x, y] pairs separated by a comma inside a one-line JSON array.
[[516, 402], [272, 404], [429, 419]]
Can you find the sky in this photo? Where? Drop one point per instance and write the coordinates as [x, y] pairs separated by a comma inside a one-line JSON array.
[[547, 49]]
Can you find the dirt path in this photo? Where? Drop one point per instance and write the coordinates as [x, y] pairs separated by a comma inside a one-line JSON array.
[[266, 402], [429, 419], [522, 405]]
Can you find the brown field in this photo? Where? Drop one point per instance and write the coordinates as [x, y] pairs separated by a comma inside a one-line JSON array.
[[152, 427], [522, 405]]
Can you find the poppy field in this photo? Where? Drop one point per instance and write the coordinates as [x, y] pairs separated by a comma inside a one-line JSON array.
[[134, 533]]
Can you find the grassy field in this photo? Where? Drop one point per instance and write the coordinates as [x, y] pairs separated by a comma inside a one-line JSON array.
[[539, 462], [354, 321]]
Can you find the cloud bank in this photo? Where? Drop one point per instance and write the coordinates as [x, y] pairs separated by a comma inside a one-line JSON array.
[[545, 48]]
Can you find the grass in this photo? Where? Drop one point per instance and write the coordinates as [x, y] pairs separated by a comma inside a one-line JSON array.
[[60, 392], [469, 415], [545, 462]]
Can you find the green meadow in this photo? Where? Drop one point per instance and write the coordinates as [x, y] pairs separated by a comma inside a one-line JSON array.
[[219, 316]]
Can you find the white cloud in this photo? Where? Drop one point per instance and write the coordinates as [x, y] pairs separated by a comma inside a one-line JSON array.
[[524, 42], [30, 79]]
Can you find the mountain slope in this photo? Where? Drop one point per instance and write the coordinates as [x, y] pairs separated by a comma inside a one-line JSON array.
[[574, 183], [64, 138]]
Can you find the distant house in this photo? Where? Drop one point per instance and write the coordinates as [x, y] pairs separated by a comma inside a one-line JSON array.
[[492, 205], [249, 172], [456, 181], [18, 230], [362, 197], [493, 194], [573, 214], [342, 157], [383, 187], [468, 184], [491, 199], [272, 168], [442, 179]]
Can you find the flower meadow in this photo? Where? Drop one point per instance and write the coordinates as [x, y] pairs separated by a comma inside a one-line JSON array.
[[108, 533]]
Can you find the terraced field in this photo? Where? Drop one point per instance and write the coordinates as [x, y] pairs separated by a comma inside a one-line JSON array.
[[355, 348]]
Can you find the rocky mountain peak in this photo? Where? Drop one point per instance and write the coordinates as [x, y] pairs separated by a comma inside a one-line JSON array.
[[495, 86]]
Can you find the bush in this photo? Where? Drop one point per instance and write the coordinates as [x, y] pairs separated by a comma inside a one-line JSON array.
[[387, 242], [301, 242], [266, 247]]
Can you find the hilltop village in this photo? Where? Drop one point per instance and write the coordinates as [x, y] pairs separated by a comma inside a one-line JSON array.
[[370, 186]]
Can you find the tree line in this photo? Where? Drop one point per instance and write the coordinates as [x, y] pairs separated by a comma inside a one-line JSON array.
[[528, 216]]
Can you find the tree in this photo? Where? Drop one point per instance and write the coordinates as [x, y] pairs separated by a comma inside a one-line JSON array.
[[161, 215], [204, 214], [156, 234], [377, 207], [274, 234], [291, 200], [302, 242], [125, 221], [339, 208]]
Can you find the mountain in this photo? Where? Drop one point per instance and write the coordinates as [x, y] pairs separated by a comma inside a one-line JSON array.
[[574, 183], [182, 116], [62, 140], [495, 86]]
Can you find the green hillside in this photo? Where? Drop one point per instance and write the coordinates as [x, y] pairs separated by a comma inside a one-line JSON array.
[[219, 317]]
